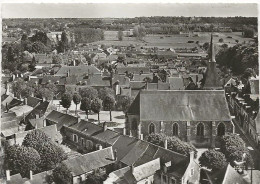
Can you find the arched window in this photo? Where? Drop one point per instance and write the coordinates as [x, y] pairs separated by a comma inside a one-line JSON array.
[[175, 129], [151, 128], [221, 129], [200, 129]]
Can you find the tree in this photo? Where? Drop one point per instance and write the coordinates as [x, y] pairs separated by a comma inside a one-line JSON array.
[[96, 106], [206, 45], [76, 99], [120, 35], [18, 87], [233, 147], [89, 92], [248, 32], [213, 159], [32, 64], [21, 159], [85, 105], [125, 103], [62, 174], [139, 32], [66, 100], [50, 152], [56, 59], [109, 104], [104, 92], [173, 143], [96, 178], [221, 40]]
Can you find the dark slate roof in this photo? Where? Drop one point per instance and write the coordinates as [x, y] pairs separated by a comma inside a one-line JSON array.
[[61, 119], [187, 105], [78, 70], [134, 70], [90, 161], [14, 102], [53, 79], [98, 80], [227, 175], [108, 136], [33, 101], [212, 78], [123, 145], [87, 128], [137, 84]]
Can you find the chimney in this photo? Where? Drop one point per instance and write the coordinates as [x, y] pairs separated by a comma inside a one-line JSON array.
[[124, 131], [166, 144], [115, 155], [7, 90], [25, 101], [191, 155], [104, 126], [68, 73], [100, 147], [7, 175], [132, 168], [79, 119], [43, 99], [142, 136], [13, 77], [31, 175], [32, 94]]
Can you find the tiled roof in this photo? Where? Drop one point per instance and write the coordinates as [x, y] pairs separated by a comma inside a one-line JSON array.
[[187, 105], [39, 110], [78, 70], [33, 101], [90, 161], [61, 119], [134, 70], [176, 83], [51, 131], [53, 79]]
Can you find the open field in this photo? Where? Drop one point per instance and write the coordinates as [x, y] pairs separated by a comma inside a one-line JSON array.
[[174, 41]]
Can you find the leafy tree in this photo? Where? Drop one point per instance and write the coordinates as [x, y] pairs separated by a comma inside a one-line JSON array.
[[96, 178], [56, 59], [139, 32], [32, 64], [148, 79], [109, 104], [62, 174], [126, 102], [66, 100], [50, 152], [206, 45], [10, 54], [213, 159], [248, 32], [96, 106], [120, 35], [89, 92], [21, 159], [104, 92], [18, 87], [39, 47], [233, 147], [85, 105], [76, 99], [173, 143]]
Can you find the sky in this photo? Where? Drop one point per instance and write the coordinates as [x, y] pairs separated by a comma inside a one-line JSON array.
[[120, 10]]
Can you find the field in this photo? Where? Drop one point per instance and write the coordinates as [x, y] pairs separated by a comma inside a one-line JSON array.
[[174, 41]]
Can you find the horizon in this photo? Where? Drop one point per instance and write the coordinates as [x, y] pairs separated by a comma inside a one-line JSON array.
[[127, 10]]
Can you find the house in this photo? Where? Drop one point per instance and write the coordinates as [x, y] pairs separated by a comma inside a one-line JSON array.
[[51, 131], [86, 164], [83, 70], [130, 174], [127, 152], [227, 175], [60, 119], [196, 116]]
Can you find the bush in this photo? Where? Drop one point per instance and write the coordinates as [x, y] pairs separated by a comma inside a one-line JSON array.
[[213, 159], [173, 143]]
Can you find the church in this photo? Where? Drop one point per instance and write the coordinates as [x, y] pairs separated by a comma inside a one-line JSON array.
[[200, 117]]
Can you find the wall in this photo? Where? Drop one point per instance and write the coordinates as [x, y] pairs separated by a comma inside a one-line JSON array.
[[188, 178]]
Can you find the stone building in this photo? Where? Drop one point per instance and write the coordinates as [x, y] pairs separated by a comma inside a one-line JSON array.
[[199, 117]]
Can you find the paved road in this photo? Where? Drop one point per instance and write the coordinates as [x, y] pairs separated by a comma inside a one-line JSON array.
[[250, 144]]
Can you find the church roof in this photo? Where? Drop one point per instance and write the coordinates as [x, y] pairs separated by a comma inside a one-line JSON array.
[[181, 105], [212, 78]]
